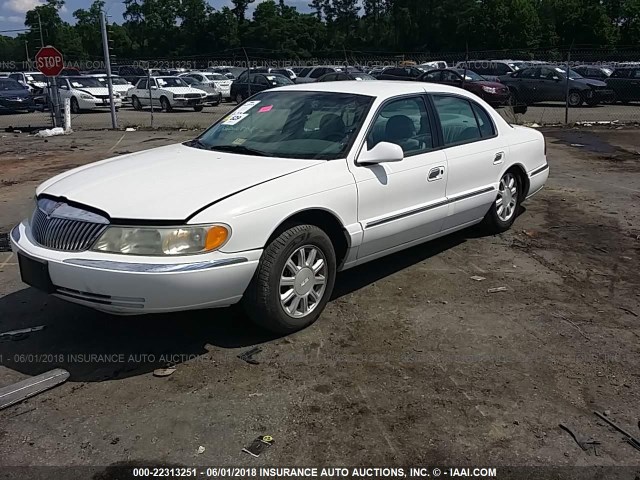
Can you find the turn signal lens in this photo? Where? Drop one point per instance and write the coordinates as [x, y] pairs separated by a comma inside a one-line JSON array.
[[216, 236]]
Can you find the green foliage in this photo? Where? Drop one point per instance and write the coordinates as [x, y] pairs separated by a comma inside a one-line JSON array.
[[179, 28]]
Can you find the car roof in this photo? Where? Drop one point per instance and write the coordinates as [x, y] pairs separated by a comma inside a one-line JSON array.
[[380, 88]]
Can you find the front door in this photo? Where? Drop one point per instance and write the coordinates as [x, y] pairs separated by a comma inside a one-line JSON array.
[[403, 201]]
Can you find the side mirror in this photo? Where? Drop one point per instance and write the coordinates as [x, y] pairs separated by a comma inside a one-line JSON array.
[[383, 152]]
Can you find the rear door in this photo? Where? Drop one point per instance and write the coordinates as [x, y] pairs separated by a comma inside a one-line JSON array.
[[474, 153]]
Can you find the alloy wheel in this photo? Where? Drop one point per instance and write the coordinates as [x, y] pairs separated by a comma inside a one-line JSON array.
[[507, 197], [303, 281]]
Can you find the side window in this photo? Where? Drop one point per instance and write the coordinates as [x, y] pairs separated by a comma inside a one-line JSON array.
[[153, 83], [330, 77], [15, 76], [243, 77], [318, 72], [260, 80], [546, 73], [432, 76], [451, 77], [304, 72], [457, 119], [528, 73], [142, 84], [502, 69], [404, 122], [487, 129]]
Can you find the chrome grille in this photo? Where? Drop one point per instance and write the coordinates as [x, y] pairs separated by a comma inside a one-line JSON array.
[[64, 233], [192, 95]]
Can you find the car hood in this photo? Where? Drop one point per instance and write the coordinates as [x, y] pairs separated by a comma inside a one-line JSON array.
[[591, 82], [181, 90], [166, 183], [93, 90]]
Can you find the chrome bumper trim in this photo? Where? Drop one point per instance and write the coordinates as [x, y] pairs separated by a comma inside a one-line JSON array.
[[153, 267], [15, 233]]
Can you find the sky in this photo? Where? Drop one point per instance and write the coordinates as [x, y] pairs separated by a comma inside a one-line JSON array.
[[12, 11]]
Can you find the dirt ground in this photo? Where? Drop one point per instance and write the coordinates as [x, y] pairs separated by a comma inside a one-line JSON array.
[[412, 363]]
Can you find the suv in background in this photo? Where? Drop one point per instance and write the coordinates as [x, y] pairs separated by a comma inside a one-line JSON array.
[[597, 72], [625, 83], [312, 74], [400, 73]]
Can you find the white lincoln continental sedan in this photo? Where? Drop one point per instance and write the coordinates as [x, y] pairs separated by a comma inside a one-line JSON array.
[[264, 207]]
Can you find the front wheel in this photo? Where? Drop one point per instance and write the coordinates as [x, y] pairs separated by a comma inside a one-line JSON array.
[[503, 211], [75, 106], [239, 98], [165, 105], [575, 98], [294, 280], [136, 103], [198, 108]]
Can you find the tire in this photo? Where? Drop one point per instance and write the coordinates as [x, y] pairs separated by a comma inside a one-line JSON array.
[[165, 106], [263, 298], [498, 220], [135, 101], [592, 102], [575, 98], [239, 98], [75, 106], [198, 108]]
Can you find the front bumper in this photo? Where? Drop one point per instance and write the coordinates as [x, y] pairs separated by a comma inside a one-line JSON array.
[[123, 284], [188, 102], [17, 105], [603, 95]]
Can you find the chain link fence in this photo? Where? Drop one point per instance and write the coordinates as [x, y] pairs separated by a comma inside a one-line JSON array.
[[609, 91]]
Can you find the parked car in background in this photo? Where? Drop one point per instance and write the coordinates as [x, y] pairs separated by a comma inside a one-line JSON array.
[[247, 84], [120, 85], [167, 93], [218, 80], [625, 83], [409, 73], [131, 73], [439, 64], [214, 96], [494, 93], [276, 198], [595, 72], [311, 74], [549, 83], [70, 72], [492, 70], [287, 72], [342, 76], [35, 81], [86, 93], [230, 72], [14, 97]]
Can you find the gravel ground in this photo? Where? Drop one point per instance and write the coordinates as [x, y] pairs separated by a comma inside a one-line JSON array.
[[413, 362]]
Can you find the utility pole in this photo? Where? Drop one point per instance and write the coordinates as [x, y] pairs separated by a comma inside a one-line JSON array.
[[26, 49], [107, 61], [53, 87]]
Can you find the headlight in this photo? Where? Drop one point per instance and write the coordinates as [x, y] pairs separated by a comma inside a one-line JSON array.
[[489, 89], [159, 241], [116, 95], [86, 96], [178, 97]]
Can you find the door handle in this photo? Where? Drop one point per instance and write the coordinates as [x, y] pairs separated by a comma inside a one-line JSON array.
[[435, 173], [499, 158]]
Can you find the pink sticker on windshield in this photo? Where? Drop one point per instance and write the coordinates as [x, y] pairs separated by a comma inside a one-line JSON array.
[[265, 109]]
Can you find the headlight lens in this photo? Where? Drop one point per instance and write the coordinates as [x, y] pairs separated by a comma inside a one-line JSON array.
[[178, 97], [489, 89], [160, 241], [86, 96]]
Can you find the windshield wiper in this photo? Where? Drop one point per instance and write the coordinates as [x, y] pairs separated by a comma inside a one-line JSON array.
[[196, 143], [237, 149]]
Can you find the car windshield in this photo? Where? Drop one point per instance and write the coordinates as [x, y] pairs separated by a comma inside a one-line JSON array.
[[572, 73], [279, 80], [215, 77], [164, 82], [85, 82], [471, 76], [114, 81], [7, 84], [36, 77], [290, 124]]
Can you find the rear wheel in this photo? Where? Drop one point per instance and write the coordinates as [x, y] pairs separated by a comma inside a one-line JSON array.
[[504, 209], [294, 280]]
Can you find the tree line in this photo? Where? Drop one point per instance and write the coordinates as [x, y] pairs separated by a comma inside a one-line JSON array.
[[334, 28]]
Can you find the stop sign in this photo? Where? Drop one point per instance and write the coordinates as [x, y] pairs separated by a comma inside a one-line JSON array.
[[49, 61]]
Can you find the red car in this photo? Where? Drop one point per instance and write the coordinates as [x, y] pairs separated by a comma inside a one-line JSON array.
[[494, 93]]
